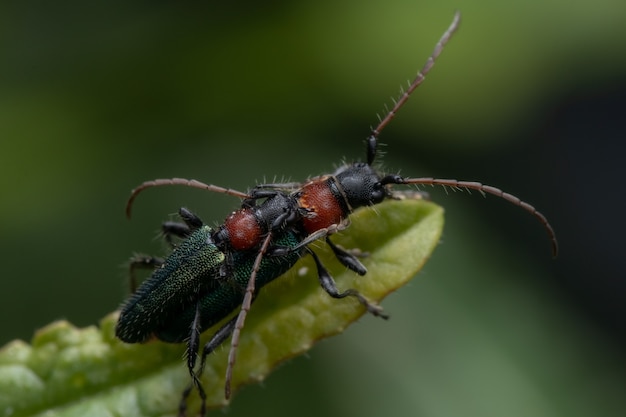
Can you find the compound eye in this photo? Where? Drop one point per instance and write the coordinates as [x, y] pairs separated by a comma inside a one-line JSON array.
[[378, 193]]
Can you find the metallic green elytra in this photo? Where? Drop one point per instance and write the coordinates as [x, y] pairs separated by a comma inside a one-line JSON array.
[[190, 270], [225, 295], [197, 276]]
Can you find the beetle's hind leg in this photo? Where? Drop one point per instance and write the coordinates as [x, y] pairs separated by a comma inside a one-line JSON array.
[[349, 257], [330, 286]]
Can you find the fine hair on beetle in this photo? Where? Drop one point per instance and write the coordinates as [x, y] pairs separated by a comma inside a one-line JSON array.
[[213, 272]]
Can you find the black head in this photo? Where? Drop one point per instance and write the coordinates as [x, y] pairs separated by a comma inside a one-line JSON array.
[[360, 183]]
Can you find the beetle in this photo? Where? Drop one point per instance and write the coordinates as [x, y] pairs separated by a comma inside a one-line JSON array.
[[214, 271]]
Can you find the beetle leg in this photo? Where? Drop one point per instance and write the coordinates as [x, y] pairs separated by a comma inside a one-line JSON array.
[[328, 284], [192, 350], [347, 259], [141, 262]]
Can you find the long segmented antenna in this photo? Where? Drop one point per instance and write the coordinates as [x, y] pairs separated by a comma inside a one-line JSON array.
[[243, 312], [183, 182], [485, 189], [372, 143], [421, 75]]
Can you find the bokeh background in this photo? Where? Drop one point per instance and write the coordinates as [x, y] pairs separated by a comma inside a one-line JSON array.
[[529, 96]]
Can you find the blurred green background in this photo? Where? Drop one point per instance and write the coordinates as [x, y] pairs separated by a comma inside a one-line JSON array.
[[529, 96]]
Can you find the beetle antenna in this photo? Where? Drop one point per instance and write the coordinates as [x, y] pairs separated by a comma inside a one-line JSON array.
[[241, 318], [484, 189], [183, 182], [421, 75]]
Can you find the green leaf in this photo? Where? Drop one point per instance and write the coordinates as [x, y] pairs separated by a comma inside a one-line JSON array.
[[77, 372]]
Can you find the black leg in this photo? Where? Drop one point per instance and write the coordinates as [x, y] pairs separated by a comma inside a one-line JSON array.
[[347, 259], [191, 223], [174, 229], [193, 345], [141, 262], [217, 339], [328, 284], [257, 193], [192, 220]]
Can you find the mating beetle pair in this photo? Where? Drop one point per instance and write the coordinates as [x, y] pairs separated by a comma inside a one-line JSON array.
[[212, 272]]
